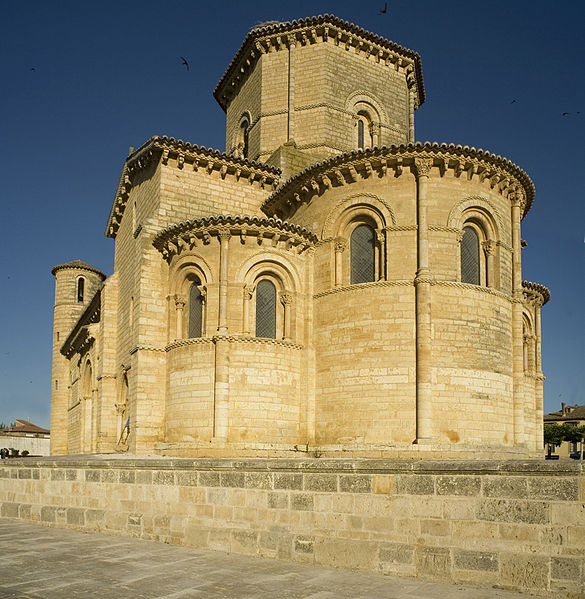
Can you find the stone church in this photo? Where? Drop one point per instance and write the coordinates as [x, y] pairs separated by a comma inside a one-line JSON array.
[[326, 286]]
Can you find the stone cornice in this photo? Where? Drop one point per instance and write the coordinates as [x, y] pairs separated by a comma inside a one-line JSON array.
[[536, 291], [80, 337], [496, 171], [78, 265], [272, 36], [184, 155], [187, 235]]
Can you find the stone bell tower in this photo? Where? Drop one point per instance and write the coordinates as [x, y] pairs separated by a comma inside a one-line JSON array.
[[76, 283], [320, 84]]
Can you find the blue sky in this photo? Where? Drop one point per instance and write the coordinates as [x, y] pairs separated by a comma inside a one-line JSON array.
[[108, 76]]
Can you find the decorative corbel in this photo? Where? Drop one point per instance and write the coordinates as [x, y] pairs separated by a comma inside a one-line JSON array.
[[398, 167], [223, 171], [165, 156], [352, 172], [180, 161], [326, 182]]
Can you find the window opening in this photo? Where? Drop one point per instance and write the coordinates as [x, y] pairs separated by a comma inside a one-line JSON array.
[[266, 309], [80, 289], [361, 139], [470, 256], [244, 127], [195, 310], [363, 257]]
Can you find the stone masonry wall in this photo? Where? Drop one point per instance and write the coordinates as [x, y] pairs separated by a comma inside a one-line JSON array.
[[518, 525]]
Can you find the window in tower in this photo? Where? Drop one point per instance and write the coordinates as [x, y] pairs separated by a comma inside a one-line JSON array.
[[364, 131], [363, 254], [243, 137], [80, 289]]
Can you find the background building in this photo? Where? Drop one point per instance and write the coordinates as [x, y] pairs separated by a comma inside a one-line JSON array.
[[326, 284], [571, 415], [25, 436]]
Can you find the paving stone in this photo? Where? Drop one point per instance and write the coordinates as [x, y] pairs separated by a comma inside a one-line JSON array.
[[39, 562]]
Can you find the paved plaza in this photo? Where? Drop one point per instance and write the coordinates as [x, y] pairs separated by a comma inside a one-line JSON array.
[[37, 562]]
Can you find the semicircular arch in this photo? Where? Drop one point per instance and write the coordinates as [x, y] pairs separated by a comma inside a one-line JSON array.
[[354, 206], [187, 267], [484, 209]]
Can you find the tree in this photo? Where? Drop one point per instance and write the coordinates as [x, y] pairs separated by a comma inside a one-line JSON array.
[[554, 435], [575, 434]]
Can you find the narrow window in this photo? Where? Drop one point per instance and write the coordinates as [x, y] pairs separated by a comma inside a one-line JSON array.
[[244, 137], [80, 289], [266, 309], [195, 310], [362, 249], [361, 137], [470, 256]]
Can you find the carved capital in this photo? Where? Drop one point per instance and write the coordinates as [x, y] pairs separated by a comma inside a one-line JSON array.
[[180, 302], [380, 236], [247, 293], [489, 247], [224, 235], [422, 166], [340, 244], [460, 236], [286, 299]]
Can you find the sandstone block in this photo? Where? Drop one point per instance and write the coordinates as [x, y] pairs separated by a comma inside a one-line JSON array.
[[526, 572]]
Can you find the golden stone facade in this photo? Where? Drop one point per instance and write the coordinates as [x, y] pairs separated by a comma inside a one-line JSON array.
[[327, 285]]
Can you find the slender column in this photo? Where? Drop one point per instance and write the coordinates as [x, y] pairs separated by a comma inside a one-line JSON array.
[[292, 42], [381, 241], [517, 333], [221, 384], [221, 389], [286, 300], [203, 311], [539, 381], [179, 305], [489, 248], [224, 238], [247, 293], [340, 247], [422, 282]]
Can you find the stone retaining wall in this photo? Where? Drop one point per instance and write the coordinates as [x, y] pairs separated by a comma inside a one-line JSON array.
[[518, 525]]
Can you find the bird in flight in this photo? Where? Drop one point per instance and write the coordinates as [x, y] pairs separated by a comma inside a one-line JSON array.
[[384, 10], [32, 69], [185, 62], [513, 101]]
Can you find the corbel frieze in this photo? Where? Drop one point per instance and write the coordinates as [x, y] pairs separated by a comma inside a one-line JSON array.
[[275, 233]]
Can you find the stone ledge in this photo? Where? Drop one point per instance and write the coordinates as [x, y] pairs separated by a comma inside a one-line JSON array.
[[304, 464]]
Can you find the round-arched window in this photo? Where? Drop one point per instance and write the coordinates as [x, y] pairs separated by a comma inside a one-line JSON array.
[[195, 310], [363, 254], [266, 309], [470, 266]]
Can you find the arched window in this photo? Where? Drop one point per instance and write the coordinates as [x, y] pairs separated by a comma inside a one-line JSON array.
[[364, 135], [243, 137], [80, 289], [363, 254], [195, 310], [266, 309], [361, 139], [470, 259]]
